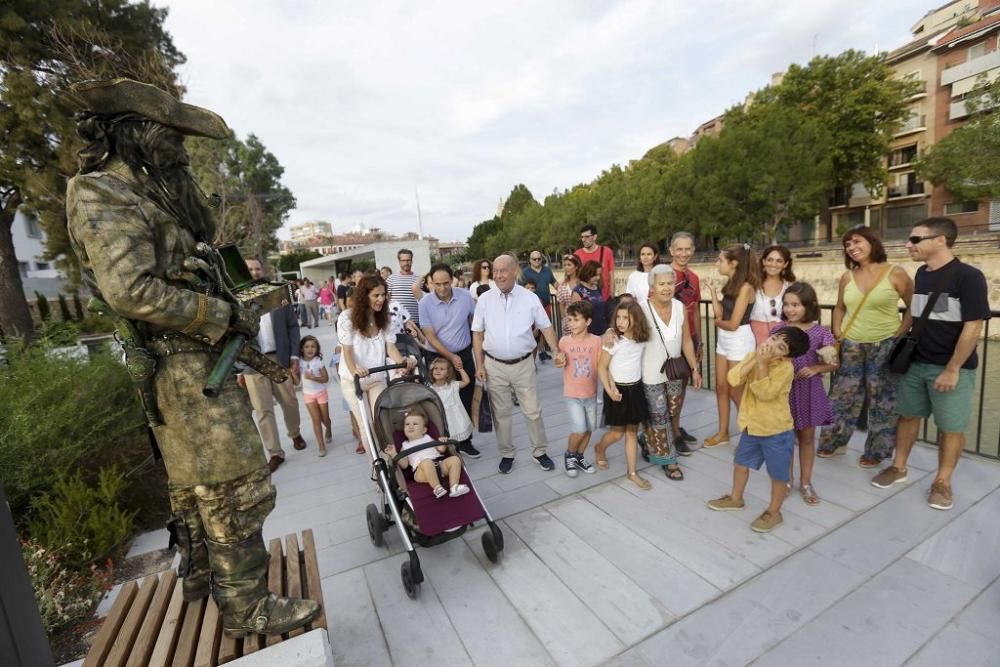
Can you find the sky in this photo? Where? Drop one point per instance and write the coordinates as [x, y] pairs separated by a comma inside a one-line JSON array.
[[369, 105]]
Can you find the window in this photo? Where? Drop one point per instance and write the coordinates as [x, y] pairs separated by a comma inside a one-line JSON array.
[[955, 207], [904, 155], [32, 228], [901, 219], [977, 50], [23, 268], [41, 266]]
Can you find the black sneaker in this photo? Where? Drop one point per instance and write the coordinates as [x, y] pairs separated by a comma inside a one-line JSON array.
[[643, 447], [506, 464], [570, 463], [682, 447], [544, 356], [687, 437], [465, 447], [545, 462], [514, 397], [582, 464]]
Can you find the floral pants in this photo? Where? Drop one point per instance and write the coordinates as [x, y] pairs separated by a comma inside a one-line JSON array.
[[662, 400], [863, 368]]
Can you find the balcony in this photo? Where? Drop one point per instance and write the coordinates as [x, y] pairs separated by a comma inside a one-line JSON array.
[[916, 123], [970, 68], [910, 189], [920, 92]]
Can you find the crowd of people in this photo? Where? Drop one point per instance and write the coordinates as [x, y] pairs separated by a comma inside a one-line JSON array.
[[902, 347]]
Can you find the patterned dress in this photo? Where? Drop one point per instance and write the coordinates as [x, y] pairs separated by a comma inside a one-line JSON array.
[[808, 399]]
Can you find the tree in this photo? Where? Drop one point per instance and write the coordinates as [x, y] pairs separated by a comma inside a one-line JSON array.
[[291, 261], [859, 102], [967, 161], [45, 45]]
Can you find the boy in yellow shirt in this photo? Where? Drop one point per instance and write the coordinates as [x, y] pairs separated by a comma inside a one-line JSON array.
[[765, 420]]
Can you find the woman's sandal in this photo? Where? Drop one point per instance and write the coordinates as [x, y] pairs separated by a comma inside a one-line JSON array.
[[360, 449], [643, 484], [675, 473], [716, 440], [809, 494]]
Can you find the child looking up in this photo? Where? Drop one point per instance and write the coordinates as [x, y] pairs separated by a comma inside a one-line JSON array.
[[625, 407], [429, 464], [808, 401], [314, 394], [447, 387], [581, 351], [765, 420]]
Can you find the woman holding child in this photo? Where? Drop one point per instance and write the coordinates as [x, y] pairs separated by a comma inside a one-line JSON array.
[[668, 361], [866, 321]]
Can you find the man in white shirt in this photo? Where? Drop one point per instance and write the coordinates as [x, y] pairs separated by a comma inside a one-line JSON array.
[[400, 284], [310, 298], [503, 343], [278, 339]]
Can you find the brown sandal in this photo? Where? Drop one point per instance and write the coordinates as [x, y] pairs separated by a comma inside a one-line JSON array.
[[643, 484], [809, 494]]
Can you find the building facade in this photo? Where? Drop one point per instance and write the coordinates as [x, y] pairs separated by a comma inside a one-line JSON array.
[[37, 273], [308, 230]]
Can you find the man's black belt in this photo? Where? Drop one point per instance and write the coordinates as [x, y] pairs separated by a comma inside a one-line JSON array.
[[507, 361]]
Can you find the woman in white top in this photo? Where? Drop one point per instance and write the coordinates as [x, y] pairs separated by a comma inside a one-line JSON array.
[[366, 340], [669, 338], [482, 274], [638, 280], [776, 268]]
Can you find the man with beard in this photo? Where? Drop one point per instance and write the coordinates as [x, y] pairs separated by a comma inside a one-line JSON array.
[[135, 219]]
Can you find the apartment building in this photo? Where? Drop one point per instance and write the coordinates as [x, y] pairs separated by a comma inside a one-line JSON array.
[[308, 230]]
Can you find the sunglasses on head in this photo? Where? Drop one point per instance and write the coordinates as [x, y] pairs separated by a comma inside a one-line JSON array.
[[774, 308]]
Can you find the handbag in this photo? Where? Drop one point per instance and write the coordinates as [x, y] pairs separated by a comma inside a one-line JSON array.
[[675, 368], [854, 315], [901, 355], [485, 421]]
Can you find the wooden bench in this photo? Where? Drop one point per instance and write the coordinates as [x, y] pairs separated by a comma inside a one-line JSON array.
[[150, 624]]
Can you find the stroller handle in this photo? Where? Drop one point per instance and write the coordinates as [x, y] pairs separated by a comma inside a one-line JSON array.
[[372, 371]]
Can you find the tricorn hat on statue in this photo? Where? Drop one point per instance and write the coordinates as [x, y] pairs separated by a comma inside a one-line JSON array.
[[117, 96]]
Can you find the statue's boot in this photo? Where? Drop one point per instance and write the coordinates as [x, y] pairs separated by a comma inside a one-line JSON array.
[[239, 585], [188, 533]]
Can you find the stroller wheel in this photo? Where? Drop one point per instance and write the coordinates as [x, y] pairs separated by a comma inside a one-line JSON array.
[[411, 577], [493, 543], [376, 525]]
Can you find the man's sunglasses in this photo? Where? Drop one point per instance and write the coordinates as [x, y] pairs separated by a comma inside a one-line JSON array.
[[917, 239]]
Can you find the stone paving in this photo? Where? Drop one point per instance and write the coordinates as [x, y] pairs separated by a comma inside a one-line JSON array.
[[598, 572]]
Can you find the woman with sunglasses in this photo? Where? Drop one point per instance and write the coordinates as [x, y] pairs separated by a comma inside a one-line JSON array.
[[776, 268], [866, 322], [482, 274]]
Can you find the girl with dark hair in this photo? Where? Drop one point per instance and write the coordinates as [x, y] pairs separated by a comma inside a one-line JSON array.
[[314, 394], [734, 338], [776, 276], [808, 400], [571, 265], [482, 274], [366, 341], [866, 321], [638, 280], [589, 289]]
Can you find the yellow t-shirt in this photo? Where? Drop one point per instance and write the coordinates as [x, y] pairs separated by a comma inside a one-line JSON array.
[[879, 318], [764, 408]]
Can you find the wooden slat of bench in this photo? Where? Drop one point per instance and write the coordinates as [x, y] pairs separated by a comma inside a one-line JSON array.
[[122, 647], [313, 589], [230, 648], [146, 639], [275, 581], [187, 641], [101, 647], [166, 641], [293, 574], [208, 640]]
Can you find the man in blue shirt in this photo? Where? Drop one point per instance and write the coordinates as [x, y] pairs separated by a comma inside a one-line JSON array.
[[445, 317], [540, 274]]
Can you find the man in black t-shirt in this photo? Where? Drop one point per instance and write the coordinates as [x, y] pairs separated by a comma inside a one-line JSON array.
[[941, 379]]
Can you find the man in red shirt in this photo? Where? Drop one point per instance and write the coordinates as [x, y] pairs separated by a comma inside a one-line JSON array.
[[687, 288], [591, 252]]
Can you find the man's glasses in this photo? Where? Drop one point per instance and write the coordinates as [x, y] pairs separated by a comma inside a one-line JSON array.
[[914, 240]]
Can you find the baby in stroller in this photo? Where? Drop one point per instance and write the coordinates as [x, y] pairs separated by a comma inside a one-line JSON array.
[[430, 464]]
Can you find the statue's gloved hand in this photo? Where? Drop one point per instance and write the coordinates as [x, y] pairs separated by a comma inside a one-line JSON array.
[[245, 321]]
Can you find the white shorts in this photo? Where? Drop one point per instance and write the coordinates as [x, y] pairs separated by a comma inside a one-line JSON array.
[[734, 345]]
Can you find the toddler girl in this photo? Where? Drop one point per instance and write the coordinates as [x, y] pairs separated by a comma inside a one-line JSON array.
[[447, 387], [429, 464], [314, 379], [808, 400], [620, 370]]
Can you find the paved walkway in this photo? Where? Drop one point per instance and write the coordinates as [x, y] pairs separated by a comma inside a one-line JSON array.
[[597, 572]]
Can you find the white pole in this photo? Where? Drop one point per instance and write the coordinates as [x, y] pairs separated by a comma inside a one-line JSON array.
[[420, 222]]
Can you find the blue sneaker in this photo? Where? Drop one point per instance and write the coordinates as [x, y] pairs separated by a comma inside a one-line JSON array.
[[545, 462], [505, 465]]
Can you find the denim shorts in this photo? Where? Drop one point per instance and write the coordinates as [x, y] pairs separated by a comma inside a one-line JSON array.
[[776, 450], [582, 414]]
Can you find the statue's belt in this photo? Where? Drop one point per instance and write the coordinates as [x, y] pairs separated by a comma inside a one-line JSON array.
[[168, 343]]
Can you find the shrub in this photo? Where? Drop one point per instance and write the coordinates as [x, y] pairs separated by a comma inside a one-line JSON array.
[[64, 309], [55, 333], [92, 324], [43, 306], [59, 413], [84, 521], [78, 307], [64, 597]]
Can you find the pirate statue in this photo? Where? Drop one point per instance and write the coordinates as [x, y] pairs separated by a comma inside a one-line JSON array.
[[142, 231]]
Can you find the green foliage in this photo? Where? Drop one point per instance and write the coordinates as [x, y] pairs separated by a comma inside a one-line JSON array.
[[291, 261], [64, 595], [95, 324], [59, 412], [967, 161], [55, 333], [64, 309], [83, 520], [42, 304], [481, 234], [81, 314]]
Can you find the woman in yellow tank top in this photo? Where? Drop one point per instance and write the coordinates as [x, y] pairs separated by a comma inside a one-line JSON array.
[[866, 321]]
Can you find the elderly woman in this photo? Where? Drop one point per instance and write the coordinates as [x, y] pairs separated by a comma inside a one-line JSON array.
[[662, 382], [866, 321], [365, 334]]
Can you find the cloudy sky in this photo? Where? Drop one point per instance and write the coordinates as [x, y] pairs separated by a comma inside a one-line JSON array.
[[364, 103]]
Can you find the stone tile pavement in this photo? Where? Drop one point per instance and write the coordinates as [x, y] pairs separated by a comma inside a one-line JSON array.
[[598, 572]]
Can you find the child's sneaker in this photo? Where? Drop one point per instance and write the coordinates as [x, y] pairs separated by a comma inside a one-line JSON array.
[[457, 490], [570, 462], [766, 522], [726, 504], [582, 464]]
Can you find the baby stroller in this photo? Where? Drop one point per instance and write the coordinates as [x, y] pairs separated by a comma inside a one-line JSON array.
[[420, 517]]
